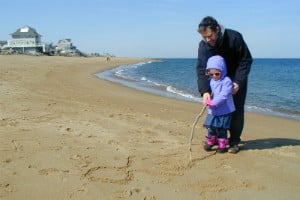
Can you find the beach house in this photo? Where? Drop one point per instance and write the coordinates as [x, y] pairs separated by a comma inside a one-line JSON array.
[[27, 40]]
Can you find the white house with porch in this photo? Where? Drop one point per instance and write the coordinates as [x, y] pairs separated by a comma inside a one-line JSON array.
[[27, 40]]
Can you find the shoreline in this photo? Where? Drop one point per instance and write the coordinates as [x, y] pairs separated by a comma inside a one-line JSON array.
[[66, 134], [162, 90]]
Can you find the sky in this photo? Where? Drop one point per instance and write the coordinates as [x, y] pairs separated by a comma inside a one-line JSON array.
[[156, 28]]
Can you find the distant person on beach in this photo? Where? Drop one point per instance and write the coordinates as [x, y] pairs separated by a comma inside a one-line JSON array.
[[216, 40], [220, 106]]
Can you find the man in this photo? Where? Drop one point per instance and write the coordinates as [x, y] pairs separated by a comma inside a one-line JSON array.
[[231, 46]]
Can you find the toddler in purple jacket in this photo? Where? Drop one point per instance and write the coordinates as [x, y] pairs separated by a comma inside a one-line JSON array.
[[220, 106]]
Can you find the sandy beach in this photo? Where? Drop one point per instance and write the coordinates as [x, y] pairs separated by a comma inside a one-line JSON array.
[[66, 134]]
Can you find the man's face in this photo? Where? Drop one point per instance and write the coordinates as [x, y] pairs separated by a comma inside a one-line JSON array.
[[210, 36]]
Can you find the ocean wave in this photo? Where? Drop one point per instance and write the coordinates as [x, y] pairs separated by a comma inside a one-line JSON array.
[[152, 82], [122, 71], [267, 111], [171, 89], [181, 93]]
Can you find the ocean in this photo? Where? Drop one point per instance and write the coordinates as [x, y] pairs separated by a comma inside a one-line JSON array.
[[273, 84]]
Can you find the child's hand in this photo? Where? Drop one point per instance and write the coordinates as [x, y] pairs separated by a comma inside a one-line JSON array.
[[208, 102], [206, 96]]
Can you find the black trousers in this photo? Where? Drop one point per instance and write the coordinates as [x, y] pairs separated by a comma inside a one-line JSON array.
[[237, 120]]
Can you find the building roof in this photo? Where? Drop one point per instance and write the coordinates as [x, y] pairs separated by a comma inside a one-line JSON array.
[[25, 32]]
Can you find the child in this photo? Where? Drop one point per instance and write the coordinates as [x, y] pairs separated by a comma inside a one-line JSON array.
[[220, 106]]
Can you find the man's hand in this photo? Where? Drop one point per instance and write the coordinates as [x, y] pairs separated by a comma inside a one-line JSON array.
[[236, 88]]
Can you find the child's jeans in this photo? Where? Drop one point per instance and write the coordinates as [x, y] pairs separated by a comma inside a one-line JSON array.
[[218, 132]]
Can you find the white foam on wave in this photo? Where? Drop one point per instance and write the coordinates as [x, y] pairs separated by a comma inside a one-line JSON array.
[[151, 82], [120, 71], [180, 92], [170, 89]]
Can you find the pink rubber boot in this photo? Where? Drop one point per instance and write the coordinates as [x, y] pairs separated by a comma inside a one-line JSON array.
[[222, 145], [210, 142]]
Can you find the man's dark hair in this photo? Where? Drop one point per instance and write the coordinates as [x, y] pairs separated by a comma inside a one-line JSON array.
[[208, 22]]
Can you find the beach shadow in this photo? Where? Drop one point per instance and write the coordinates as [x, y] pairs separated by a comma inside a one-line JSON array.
[[268, 143]]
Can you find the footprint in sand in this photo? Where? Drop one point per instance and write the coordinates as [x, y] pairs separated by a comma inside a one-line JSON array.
[[16, 145], [48, 171], [8, 122], [5, 189], [77, 192], [81, 161]]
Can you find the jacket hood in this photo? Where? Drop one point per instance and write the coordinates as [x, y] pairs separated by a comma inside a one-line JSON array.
[[217, 62], [221, 35]]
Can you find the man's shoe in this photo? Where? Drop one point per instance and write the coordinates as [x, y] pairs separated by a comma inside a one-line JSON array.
[[234, 149]]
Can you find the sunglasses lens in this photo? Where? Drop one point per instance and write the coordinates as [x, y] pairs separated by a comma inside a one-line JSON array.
[[215, 74]]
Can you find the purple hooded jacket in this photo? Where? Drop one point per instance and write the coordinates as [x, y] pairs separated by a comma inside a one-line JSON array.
[[222, 99]]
